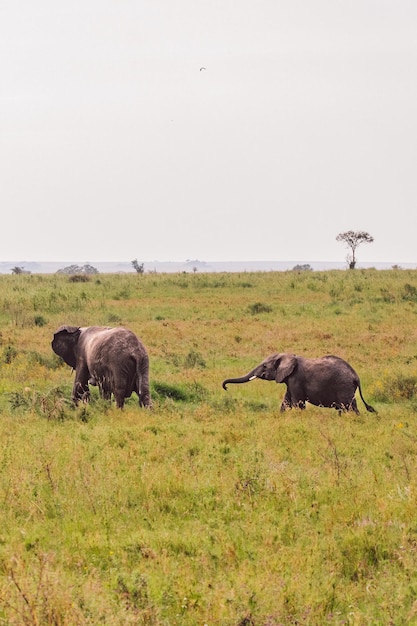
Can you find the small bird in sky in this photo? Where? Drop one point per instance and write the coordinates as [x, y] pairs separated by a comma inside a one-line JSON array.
[[202, 68]]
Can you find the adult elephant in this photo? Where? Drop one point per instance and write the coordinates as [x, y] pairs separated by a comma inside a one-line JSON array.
[[112, 358], [328, 381]]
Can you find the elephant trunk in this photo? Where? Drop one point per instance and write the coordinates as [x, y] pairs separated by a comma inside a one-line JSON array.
[[242, 379]]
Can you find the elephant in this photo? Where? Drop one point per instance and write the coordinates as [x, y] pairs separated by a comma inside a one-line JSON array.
[[328, 381], [114, 359]]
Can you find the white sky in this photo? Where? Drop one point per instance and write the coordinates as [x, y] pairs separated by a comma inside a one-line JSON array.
[[114, 145]]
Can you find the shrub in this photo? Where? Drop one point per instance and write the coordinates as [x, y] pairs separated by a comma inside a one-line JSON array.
[[406, 386], [9, 354], [194, 359], [180, 393], [52, 361], [79, 278], [245, 285], [398, 387], [409, 293], [164, 390], [40, 320], [52, 404], [387, 296], [259, 307], [18, 400]]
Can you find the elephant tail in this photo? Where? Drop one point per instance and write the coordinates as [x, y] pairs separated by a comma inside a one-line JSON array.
[[367, 406]]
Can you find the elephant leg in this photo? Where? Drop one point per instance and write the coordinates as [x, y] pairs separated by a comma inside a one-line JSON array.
[[104, 386], [343, 408], [80, 391], [286, 403], [353, 406], [105, 391], [105, 394], [119, 396], [145, 398]]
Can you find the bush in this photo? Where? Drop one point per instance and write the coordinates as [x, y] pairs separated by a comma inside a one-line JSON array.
[[259, 307], [409, 293], [79, 278], [50, 361], [399, 387], [194, 359], [52, 404], [9, 354], [19, 400], [179, 393], [40, 320], [164, 390]]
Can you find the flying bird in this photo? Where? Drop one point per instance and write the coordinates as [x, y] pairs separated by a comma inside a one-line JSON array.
[[202, 68]]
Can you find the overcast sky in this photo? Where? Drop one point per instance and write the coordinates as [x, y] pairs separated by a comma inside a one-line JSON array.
[[115, 144]]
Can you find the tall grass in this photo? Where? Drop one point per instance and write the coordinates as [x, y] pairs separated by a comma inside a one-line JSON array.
[[212, 508]]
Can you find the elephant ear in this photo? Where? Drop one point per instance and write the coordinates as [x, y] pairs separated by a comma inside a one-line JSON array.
[[64, 343], [285, 365]]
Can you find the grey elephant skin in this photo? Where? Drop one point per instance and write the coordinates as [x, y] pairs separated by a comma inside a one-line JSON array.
[[114, 359], [328, 381]]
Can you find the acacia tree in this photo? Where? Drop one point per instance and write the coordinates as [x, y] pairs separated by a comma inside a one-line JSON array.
[[138, 267], [352, 239]]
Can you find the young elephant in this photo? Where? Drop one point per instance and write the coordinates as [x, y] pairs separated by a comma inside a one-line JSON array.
[[112, 358], [328, 381]]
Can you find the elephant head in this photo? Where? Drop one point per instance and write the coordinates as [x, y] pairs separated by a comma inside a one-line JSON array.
[[276, 367], [65, 342]]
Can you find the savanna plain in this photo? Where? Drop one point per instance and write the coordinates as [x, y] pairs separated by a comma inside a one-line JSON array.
[[211, 508]]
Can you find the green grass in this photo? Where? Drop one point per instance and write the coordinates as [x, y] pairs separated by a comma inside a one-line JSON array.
[[213, 507]]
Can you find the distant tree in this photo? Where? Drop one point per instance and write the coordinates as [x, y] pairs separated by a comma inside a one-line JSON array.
[[302, 268], [77, 269], [352, 239], [19, 270], [138, 267]]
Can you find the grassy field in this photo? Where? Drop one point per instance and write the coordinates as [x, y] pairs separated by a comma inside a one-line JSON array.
[[212, 508]]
